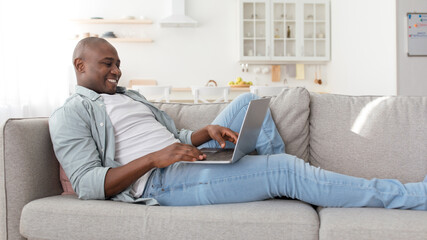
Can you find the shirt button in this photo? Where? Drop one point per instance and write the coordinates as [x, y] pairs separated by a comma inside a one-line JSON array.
[[101, 124]]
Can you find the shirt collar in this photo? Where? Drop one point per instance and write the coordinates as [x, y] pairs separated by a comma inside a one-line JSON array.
[[120, 89], [94, 95]]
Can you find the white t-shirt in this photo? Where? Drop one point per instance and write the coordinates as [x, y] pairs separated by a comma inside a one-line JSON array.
[[136, 131]]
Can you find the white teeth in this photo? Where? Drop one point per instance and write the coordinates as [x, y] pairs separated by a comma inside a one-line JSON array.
[[112, 80]]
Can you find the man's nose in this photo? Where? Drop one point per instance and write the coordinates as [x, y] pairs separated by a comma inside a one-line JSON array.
[[115, 70]]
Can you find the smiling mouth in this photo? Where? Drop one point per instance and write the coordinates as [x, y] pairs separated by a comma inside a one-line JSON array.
[[115, 81]]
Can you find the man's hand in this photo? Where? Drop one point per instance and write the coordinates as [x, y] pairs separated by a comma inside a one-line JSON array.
[[118, 179], [215, 132], [174, 153]]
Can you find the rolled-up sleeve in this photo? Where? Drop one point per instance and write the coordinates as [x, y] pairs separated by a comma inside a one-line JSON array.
[[77, 151], [184, 136]]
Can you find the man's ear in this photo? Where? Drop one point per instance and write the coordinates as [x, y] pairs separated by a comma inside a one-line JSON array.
[[79, 65]]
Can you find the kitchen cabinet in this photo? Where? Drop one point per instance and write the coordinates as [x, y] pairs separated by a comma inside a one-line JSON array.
[[121, 22], [284, 31]]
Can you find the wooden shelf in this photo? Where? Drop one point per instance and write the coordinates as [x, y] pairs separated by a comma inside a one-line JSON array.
[[254, 38], [131, 40], [187, 89], [118, 21], [284, 20], [124, 40], [113, 21], [254, 20]]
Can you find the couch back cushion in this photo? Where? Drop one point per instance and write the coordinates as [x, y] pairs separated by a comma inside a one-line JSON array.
[[192, 116], [290, 110], [366, 136]]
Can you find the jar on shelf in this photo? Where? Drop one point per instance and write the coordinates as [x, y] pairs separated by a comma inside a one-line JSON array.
[[276, 33]]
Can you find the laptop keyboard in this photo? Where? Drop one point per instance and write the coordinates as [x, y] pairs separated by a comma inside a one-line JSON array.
[[213, 154]]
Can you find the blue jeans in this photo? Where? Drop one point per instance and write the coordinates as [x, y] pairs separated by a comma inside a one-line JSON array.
[[274, 174]]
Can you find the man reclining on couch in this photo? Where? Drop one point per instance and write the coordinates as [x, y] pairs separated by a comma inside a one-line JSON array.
[[114, 144]]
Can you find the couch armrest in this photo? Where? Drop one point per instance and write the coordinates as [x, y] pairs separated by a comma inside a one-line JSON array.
[[28, 170]]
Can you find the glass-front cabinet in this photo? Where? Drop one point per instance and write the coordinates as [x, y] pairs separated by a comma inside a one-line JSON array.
[[284, 31], [254, 32]]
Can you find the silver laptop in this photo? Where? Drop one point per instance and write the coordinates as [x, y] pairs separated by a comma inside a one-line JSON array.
[[248, 136]]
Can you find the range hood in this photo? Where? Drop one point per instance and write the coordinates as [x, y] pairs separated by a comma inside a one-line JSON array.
[[178, 17]]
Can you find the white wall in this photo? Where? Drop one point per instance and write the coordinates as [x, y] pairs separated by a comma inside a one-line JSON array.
[[33, 63], [411, 71], [363, 47], [178, 56], [363, 57]]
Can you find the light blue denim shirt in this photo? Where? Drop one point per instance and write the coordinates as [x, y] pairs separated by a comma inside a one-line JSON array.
[[83, 140]]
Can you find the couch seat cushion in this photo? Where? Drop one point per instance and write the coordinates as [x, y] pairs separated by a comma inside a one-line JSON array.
[[66, 217], [371, 223]]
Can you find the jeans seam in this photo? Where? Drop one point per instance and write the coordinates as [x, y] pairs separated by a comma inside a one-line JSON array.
[[358, 187], [269, 138], [273, 171], [217, 180]]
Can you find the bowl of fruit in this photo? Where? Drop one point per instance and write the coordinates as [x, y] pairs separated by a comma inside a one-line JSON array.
[[239, 83]]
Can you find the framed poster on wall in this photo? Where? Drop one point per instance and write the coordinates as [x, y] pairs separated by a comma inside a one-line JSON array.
[[417, 34]]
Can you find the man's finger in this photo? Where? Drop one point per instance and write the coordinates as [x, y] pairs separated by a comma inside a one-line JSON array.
[[220, 141], [231, 136], [196, 153]]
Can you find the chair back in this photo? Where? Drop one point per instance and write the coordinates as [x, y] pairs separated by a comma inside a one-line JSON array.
[[154, 93], [266, 91], [134, 82], [203, 94]]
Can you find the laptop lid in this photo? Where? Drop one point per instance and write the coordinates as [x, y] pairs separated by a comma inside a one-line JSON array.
[[248, 136], [251, 128]]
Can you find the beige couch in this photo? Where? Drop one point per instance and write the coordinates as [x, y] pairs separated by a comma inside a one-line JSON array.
[[364, 136]]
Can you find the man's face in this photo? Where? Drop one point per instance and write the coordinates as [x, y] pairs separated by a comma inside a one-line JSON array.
[[101, 69]]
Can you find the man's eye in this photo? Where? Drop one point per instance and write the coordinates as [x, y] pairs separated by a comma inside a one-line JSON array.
[[107, 63]]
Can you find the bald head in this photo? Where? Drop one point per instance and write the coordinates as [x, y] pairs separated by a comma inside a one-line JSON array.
[[97, 65], [86, 44]]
